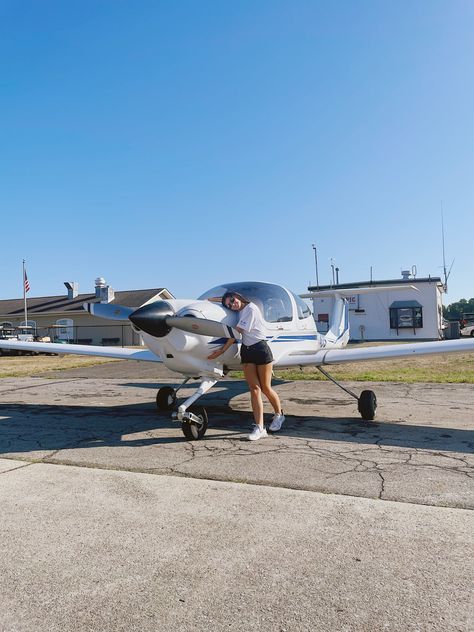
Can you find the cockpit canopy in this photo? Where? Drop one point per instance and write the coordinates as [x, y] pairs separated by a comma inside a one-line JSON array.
[[273, 300]]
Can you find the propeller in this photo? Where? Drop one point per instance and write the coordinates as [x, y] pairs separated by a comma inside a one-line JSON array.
[[157, 319], [109, 310], [203, 326]]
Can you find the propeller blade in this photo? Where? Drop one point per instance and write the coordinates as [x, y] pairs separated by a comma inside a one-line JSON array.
[[109, 310], [202, 326]]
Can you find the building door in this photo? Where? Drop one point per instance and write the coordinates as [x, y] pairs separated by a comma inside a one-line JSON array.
[[64, 330]]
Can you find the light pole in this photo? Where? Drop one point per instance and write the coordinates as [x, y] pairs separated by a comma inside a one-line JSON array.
[[316, 264]]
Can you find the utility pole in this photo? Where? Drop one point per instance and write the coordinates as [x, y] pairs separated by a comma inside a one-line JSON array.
[[24, 293], [316, 265]]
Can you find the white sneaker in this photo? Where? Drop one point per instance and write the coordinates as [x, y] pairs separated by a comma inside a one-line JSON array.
[[257, 433], [277, 422]]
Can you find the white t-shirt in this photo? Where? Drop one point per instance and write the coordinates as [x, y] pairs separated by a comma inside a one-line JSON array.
[[251, 323]]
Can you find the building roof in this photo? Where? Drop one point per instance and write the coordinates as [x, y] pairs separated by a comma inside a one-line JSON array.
[[62, 304], [398, 304], [350, 286]]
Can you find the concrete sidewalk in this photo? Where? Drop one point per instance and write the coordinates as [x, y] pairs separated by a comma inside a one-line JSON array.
[[84, 549]]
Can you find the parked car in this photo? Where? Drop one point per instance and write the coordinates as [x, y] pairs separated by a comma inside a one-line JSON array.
[[25, 333], [468, 330], [10, 332], [7, 332]]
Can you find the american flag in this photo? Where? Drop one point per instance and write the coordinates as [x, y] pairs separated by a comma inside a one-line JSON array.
[[27, 283]]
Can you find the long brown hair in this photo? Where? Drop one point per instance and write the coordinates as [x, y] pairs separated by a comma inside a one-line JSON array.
[[237, 295]]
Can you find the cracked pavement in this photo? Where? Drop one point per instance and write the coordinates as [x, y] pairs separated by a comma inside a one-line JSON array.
[[418, 450]]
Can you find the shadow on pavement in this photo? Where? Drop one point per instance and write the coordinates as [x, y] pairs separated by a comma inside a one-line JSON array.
[[31, 427]]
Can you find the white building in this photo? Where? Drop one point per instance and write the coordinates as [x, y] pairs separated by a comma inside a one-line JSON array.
[[399, 314]]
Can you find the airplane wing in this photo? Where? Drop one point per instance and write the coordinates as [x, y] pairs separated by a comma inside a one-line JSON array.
[[382, 352], [85, 350]]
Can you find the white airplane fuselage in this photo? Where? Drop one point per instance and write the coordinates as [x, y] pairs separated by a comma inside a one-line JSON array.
[[187, 353]]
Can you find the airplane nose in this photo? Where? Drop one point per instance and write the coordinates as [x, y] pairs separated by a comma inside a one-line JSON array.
[[151, 318]]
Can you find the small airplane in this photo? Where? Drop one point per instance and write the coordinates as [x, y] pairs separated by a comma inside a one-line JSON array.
[[183, 333]]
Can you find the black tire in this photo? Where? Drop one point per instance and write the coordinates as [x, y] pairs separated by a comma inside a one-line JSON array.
[[367, 405], [166, 398], [472, 334], [192, 431]]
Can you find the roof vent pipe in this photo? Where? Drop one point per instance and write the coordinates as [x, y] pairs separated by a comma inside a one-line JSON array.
[[103, 291], [72, 289], [406, 275], [99, 284]]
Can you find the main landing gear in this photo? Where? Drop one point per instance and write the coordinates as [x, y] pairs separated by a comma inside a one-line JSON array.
[[193, 418], [366, 402]]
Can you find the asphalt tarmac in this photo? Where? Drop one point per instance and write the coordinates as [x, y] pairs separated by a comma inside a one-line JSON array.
[[110, 520]]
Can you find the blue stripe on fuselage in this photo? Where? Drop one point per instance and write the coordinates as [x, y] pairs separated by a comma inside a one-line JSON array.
[[218, 341], [286, 338], [295, 338]]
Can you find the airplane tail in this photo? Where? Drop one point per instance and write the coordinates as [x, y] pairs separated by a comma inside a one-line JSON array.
[[338, 334]]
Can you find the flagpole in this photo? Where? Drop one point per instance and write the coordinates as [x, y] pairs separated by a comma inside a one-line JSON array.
[[24, 293]]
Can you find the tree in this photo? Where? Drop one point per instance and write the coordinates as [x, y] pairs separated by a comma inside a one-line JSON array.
[[460, 309]]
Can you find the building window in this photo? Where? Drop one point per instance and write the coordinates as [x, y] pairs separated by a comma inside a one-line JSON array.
[[64, 330], [406, 315]]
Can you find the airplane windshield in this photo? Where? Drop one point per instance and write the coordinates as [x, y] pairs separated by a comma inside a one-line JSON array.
[[302, 308], [272, 300]]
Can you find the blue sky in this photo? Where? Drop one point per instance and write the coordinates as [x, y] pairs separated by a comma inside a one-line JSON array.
[[184, 144]]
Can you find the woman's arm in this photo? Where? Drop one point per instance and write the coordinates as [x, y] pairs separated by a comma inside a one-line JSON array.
[[218, 352]]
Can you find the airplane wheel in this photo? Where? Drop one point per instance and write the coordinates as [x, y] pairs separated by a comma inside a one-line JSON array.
[[193, 431], [166, 398], [367, 405]]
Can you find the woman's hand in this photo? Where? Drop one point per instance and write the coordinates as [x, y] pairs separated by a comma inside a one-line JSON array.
[[218, 352]]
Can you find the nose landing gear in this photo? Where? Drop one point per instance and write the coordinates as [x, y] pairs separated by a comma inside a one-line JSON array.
[[194, 424], [194, 419]]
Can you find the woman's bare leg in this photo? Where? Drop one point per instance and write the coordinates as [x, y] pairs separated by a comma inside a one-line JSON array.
[[264, 372], [251, 375]]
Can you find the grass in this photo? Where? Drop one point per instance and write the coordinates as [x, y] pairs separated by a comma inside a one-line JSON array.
[[448, 369], [30, 366]]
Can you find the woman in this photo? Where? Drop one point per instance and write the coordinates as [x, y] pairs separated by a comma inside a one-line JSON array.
[[256, 359]]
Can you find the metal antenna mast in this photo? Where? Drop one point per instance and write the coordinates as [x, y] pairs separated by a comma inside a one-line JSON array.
[[444, 255], [316, 264], [446, 274]]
